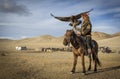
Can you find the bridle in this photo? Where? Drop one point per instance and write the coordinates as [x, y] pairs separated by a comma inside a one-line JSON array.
[[67, 40], [71, 39]]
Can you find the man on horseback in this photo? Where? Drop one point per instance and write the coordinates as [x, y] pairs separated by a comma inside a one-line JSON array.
[[86, 26], [80, 39], [85, 31]]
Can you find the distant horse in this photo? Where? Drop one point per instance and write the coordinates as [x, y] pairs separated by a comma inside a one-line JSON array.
[[78, 49]]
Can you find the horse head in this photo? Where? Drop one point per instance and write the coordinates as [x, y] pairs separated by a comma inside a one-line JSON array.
[[67, 37]]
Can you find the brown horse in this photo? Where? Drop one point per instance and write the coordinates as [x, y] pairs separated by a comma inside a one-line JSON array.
[[78, 49]]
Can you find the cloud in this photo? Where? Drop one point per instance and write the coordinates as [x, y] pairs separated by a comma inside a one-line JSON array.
[[104, 17], [108, 11], [10, 6], [117, 15]]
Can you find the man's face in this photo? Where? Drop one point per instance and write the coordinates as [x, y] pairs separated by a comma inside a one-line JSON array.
[[85, 17]]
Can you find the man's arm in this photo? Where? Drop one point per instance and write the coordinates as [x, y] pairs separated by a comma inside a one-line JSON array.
[[76, 31], [87, 30]]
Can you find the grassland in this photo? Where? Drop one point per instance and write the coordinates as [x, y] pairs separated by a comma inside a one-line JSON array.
[[57, 65]]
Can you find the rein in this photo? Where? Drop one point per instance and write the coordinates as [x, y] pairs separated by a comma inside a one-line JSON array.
[[68, 40], [74, 41]]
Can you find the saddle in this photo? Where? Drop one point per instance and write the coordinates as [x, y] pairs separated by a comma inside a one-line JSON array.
[[82, 40]]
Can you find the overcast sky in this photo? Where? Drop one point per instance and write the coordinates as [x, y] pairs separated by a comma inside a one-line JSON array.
[[29, 18]]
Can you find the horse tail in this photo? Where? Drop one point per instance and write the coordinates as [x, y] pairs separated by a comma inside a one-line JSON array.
[[96, 59], [95, 54], [98, 62]]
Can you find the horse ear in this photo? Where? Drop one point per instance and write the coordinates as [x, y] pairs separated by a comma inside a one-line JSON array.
[[67, 30], [71, 30]]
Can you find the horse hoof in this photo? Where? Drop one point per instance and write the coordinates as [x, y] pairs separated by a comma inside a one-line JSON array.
[[72, 72], [89, 69], [95, 71], [83, 73]]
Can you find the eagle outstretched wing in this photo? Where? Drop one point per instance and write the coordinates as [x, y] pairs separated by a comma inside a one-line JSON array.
[[67, 19], [79, 15]]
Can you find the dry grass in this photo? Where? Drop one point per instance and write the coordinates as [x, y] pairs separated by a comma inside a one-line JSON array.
[[22, 65]]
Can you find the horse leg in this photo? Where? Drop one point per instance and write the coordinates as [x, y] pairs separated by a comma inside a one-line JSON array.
[[95, 60], [89, 68], [95, 66], [83, 63], [74, 63]]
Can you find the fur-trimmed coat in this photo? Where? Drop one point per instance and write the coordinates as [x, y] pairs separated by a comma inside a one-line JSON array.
[[86, 28]]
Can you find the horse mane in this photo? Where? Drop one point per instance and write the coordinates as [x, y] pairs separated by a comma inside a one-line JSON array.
[[76, 41]]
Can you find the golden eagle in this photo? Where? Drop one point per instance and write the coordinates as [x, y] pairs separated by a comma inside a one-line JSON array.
[[72, 19]]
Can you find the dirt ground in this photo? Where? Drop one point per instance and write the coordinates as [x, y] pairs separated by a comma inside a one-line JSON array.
[[57, 65]]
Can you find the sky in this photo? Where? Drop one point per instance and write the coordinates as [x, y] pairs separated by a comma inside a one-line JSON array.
[[29, 18]]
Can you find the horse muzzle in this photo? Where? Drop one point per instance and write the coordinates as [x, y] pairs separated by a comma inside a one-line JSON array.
[[65, 43]]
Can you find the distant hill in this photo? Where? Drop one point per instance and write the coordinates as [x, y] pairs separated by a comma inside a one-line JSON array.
[[103, 39], [116, 34], [43, 38], [113, 42], [49, 38], [100, 35], [5, 40]]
